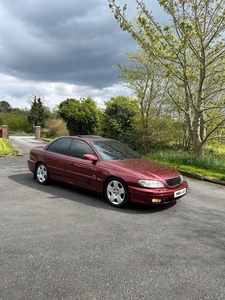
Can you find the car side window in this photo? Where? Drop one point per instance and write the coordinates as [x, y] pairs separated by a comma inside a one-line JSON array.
[[60, 146], [79, 148]]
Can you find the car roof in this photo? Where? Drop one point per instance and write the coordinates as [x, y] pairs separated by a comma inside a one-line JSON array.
[[87, 137]]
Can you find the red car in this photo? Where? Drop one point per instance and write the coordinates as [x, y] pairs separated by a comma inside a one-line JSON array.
[[108, 167]]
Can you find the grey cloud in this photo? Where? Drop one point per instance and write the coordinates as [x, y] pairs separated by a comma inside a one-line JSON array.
[[65, 41]]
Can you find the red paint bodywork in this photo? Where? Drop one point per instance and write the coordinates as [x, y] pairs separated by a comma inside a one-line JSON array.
[[91, 174]]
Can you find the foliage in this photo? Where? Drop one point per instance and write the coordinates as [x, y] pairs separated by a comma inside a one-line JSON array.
[[209, 165], [5, 106], [37, 113], [5, 147], [81, 116], [18, 111], [56, 127], [216, 148], [191, 52], [120, 113], [15, 122], [144, 76]]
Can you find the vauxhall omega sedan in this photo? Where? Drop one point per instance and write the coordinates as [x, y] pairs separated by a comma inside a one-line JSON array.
[[108, 167]]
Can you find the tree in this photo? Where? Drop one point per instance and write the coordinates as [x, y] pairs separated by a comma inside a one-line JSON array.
[[5, 106], [37, 115], [191, 51], [19, 111], [81, 116], [120, 114], [145, 77]]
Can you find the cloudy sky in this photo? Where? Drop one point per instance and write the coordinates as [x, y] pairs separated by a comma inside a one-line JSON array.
[[62, 49]]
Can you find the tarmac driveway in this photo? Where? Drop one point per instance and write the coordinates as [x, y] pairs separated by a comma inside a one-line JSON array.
[[58, 242]]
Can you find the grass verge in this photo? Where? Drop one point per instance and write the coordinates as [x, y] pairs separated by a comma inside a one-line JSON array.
[[5, 147], [209, 166]]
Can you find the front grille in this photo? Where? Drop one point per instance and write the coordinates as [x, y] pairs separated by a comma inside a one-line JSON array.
[[174, 181]]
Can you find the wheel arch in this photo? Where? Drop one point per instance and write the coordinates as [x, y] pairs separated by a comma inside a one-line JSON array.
[[35, 168], [115, 177]]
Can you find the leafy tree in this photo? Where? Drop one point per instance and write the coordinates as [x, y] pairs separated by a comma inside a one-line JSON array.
[[191, 51], [81, 116], [37, 114], [145, 77], [5, 106], [16, 122], [120, 114], [19, 111]]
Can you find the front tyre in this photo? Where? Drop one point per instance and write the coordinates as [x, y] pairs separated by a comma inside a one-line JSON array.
[[42, 174], [116, 192]]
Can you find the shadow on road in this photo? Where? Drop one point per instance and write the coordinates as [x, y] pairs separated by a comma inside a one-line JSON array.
[[58, 190]]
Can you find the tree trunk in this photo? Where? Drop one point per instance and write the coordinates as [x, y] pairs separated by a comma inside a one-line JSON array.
[[198, 146], [197, 130]]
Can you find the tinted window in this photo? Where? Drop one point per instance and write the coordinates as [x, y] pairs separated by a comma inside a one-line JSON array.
[[60, 146], [114, 150], [79, 148]]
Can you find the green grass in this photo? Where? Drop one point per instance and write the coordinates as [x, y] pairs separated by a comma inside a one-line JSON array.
[[210, 166], [5, 147], [48, 139]]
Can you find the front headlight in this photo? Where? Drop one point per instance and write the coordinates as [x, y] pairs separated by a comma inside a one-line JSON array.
[[181, 179], [151, 184]]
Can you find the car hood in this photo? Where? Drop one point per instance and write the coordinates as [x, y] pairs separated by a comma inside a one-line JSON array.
[[147, 168]]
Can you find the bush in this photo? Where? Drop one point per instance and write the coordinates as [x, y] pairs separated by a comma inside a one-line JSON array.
[[15, 122], [56, 127]]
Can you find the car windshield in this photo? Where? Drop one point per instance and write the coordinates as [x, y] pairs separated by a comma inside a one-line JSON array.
[[114, 150]]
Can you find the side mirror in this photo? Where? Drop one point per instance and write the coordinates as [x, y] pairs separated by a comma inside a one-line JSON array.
[[89, 157]]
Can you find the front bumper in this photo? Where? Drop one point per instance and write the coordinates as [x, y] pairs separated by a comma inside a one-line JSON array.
[[157, 196]]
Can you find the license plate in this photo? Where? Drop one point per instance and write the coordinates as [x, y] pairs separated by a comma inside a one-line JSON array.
[[180, 193]]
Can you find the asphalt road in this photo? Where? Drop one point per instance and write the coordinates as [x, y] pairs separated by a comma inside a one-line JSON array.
[[60, 243]]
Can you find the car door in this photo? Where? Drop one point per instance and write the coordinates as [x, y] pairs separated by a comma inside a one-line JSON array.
[[81, 172], [55, 158]]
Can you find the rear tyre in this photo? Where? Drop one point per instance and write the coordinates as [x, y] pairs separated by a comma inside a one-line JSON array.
[[116, 192], [42, 174]]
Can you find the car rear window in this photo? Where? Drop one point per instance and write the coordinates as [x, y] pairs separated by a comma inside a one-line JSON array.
[[60, 146]]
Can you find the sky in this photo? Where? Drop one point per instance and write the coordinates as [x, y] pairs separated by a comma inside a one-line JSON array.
[[62, 49]]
